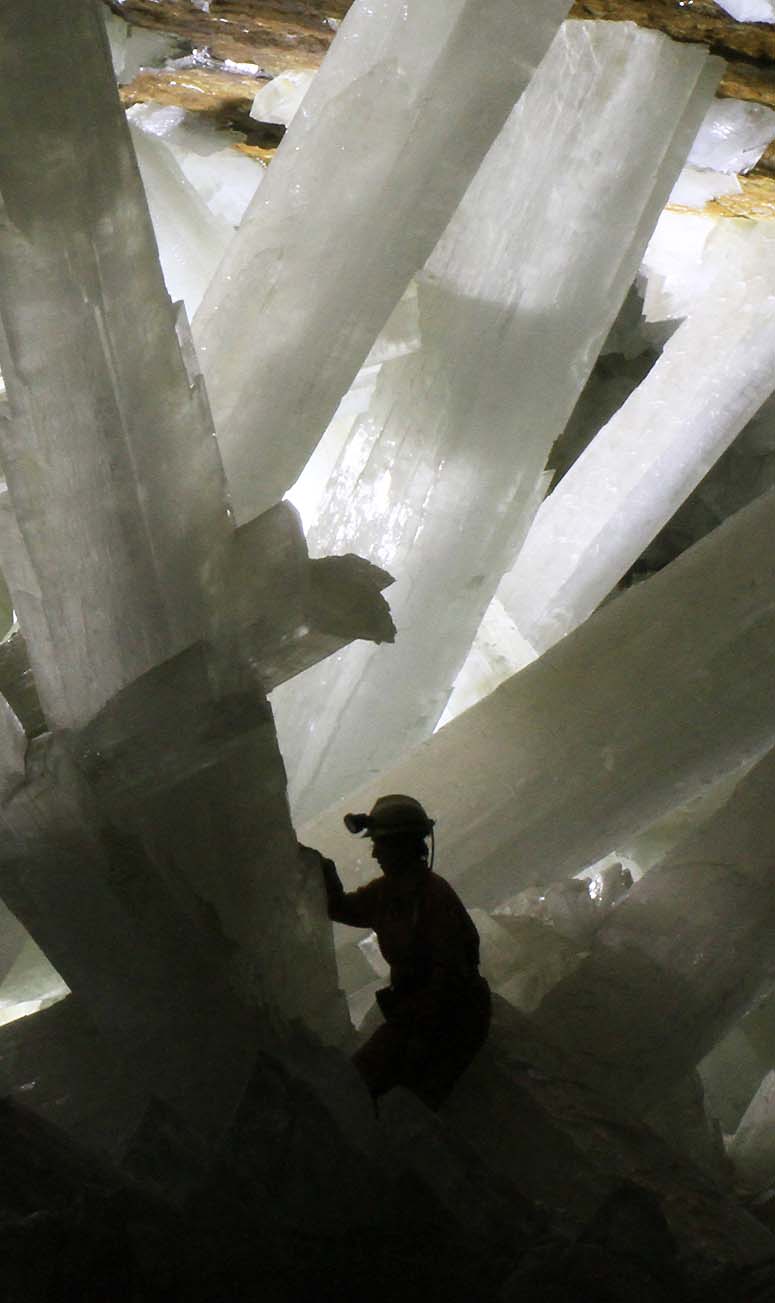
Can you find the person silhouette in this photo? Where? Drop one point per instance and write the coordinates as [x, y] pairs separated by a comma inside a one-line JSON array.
[[437, 1006]]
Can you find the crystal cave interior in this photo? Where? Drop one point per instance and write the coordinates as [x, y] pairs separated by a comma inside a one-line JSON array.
[[388, 406]]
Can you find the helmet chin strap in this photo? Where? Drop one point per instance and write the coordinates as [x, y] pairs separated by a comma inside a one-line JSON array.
[[433, 851]]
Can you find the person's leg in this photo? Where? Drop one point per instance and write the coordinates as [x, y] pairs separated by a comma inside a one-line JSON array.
[[434, 1062], [427, 1058], [381, 1060]]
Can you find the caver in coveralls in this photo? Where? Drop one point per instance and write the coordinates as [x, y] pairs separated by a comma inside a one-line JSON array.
[[437, 1007]]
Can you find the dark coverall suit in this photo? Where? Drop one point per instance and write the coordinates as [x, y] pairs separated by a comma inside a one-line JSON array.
[[437, 1007]]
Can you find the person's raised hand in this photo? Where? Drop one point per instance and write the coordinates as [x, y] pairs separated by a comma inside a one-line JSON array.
[[312, 857]]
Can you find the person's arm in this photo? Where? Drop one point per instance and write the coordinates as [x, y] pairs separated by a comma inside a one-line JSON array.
[[356, 908]]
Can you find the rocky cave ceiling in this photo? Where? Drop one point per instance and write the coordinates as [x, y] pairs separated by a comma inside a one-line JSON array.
[[281, 35]]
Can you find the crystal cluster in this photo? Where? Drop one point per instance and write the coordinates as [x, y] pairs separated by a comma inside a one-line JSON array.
[[395, 346], [439, 479]]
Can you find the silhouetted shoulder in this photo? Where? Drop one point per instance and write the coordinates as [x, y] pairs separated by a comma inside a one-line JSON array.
[[444, 892]]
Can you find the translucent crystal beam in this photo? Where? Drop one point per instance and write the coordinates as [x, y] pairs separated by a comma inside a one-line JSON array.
[[714, 374], [115, 477], [656, 696], [438, 481], [395, 124]]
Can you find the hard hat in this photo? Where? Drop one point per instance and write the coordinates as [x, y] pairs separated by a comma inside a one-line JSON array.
[[392, 816]]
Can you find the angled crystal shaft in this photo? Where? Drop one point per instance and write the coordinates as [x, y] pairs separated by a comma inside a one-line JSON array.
[[395, 124], [713, 375], [108, 452]]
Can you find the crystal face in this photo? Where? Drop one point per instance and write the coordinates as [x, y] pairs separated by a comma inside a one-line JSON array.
[[733, 136], [750, 11]]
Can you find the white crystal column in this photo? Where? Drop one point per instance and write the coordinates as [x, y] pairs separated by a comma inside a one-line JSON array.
[[118, 542], [397, 120], [715, 372], [114, 474], [656, 696], [680, 960], [438, 482]]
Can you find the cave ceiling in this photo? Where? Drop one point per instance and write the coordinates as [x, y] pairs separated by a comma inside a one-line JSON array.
[[279, 34], [238, 43]]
